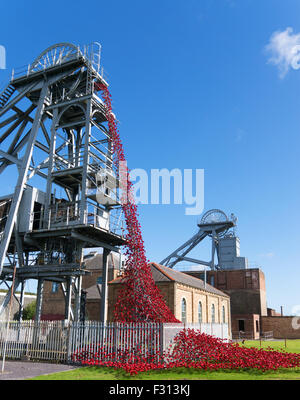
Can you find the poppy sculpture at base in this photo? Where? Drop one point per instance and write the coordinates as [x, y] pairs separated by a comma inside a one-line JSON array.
[[191, 349]]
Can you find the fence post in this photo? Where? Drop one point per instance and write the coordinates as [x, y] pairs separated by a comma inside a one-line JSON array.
[[161, 339], [260, 337], [115, 337], [69, 341]]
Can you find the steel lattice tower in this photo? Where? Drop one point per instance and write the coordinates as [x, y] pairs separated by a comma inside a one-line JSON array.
[[53, 128], [214, 224]]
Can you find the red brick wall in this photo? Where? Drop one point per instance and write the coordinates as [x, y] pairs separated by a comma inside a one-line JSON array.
[[166, 289], [54, 303], [246, 288], [252, 278], [250, 322], [281, 327]]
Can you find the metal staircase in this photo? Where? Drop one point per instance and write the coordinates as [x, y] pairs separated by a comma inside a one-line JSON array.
[[6, 95]]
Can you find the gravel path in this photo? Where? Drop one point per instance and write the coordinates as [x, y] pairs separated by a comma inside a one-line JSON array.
[[20, 370]]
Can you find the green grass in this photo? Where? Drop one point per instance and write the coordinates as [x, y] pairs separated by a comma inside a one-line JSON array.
[[101, 373], [292, 346]]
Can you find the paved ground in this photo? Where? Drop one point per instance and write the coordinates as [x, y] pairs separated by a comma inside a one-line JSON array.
[[20, 370]]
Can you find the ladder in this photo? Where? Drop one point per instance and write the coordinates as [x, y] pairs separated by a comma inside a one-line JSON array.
[[6, 95]]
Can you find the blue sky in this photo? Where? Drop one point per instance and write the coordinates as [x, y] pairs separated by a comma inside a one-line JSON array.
[[192, 88]]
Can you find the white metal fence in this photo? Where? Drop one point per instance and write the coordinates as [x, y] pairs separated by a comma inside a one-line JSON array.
[[58, 341], [62, 342]]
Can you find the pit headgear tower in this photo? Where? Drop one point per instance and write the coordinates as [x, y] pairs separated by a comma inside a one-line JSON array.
[[53, 129], [221, 229]]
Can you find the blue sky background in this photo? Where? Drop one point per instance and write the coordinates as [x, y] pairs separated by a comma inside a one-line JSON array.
[[192, 88]]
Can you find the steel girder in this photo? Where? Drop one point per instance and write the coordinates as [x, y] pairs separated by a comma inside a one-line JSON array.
[[53, 111], [212, 230]]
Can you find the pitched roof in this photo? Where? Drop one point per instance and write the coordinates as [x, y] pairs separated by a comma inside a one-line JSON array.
[[161, 273], [186, 279], [95, 261], [93, 292]]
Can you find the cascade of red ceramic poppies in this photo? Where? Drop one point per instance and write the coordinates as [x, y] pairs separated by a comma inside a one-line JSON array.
[[139, 298], [189, 349]]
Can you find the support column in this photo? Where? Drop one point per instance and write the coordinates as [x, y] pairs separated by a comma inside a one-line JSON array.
[[11, 292], [68, 299], [39, 300], [104, 292], [85, 161], [83, 305], [21, 306], [78, 283], [213, 249], [47, 216]]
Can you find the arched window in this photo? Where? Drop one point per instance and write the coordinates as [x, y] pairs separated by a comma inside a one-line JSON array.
[[183, 310], [200, 312], [213, 313], [223, 315]]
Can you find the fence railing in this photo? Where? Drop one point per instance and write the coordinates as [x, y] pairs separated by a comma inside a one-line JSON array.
[[68, 342], [243, 335], [267, 335], [250, 335], [74, 342], [64, 214], [90, 52]]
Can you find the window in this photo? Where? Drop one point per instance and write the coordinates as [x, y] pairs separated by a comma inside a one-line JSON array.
[[257, 326], [183, 310], [200, 312], [54, 288], [223, 315], [212, 280], [241, 325], [213, 313]]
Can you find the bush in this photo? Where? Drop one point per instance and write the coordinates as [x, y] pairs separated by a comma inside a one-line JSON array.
[[28, 312]]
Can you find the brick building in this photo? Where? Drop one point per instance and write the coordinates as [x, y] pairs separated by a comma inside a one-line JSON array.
[[53, 298], [187, 296], [247, 291]]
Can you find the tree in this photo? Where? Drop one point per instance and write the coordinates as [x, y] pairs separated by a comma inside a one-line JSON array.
[[28, 312]]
